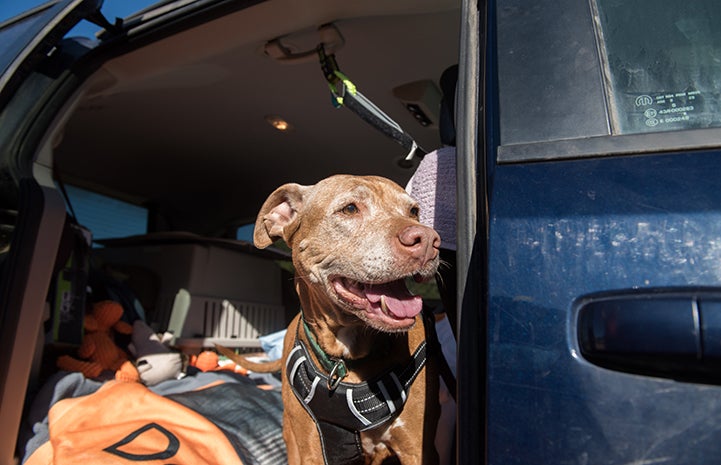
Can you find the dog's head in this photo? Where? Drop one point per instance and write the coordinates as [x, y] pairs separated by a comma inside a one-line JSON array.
[[357, 239]]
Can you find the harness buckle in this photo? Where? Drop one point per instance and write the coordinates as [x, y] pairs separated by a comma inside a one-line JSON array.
[[337, 373]]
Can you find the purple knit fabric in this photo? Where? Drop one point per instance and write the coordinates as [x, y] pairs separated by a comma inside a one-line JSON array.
[[433, 185]]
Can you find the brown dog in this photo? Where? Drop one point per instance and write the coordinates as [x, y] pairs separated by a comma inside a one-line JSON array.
[[357, 386]]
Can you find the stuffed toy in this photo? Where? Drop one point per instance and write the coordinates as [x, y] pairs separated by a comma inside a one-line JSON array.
[[98, 350], [208, 360], [154, 360]]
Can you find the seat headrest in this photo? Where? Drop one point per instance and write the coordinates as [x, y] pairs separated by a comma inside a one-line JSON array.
[[447, 125]]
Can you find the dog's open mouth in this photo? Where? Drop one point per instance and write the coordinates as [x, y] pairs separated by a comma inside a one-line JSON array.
[[391, 303]]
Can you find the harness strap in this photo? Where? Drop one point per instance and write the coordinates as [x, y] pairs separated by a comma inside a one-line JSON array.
[[360, 406], [340, 446], [345, 410]]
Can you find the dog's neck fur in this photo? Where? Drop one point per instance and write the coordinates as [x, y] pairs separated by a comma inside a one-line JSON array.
[[341, 335]]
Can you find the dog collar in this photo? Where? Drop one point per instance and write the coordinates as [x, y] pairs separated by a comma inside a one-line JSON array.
[[341, 410], [336, 367]]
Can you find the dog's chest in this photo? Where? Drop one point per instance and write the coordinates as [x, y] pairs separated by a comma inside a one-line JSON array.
[[352, 418], [375, 442]]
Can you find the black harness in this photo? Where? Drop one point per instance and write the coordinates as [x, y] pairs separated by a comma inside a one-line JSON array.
[[342, 410]]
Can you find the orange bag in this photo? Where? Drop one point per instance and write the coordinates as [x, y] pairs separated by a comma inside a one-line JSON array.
[[125, 423]]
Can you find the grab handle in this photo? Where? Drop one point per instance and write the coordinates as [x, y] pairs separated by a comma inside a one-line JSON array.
[[667, 333]]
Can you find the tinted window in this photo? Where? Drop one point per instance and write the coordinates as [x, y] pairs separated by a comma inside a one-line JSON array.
[[107, 217], [549, 75], [663, 58], [13, 35], [245, 233]]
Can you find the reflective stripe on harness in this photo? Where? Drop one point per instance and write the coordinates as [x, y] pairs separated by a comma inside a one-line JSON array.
[[343, 412]]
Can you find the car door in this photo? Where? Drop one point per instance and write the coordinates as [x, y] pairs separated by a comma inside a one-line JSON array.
[[41, 69], [32, 215], [600, 301]]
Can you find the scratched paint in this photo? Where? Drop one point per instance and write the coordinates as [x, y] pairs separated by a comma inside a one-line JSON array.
[[619, 253], [558, 232]]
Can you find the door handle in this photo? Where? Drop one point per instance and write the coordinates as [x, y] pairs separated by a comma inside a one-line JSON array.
[[667, 333]]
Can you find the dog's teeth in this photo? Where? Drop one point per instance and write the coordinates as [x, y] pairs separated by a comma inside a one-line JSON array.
[[384, 306]]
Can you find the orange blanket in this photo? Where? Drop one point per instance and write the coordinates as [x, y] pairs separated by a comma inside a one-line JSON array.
[[111, 426]]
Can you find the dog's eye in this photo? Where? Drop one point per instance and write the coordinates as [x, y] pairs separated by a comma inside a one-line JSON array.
[[350, 209], [415, 212]]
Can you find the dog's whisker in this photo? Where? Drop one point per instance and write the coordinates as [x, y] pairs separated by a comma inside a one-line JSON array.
[[439, 279]]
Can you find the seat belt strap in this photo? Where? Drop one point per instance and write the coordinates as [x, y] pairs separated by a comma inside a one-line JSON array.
[[345, 93]]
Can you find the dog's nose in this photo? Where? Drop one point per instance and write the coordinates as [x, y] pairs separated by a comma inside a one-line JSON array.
[[420, 242]]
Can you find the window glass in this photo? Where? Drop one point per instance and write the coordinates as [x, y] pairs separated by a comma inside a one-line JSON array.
[[245, 233], [106, 217], [550, 84], [663, 60], [14, 35]]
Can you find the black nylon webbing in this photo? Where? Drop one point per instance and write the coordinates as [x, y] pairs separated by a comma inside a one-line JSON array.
[[340, 414], [356, 104], [365, 109]]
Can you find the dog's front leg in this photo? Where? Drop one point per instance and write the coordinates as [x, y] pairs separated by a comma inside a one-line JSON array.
[[299, 432], [291, 445]]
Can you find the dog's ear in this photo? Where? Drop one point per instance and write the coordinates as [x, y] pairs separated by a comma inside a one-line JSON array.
[[279, 211]]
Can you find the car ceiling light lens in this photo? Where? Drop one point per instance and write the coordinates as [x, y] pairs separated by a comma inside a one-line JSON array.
[[279, 123]]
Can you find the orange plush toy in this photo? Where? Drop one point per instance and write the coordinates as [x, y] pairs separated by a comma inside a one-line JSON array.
[[98, 349], [210, 361]]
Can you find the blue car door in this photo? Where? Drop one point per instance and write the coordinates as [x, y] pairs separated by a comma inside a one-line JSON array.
[[603, 306]]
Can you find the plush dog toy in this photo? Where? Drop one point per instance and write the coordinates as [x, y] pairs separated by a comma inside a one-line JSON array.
[[155, 361], [98, 350]]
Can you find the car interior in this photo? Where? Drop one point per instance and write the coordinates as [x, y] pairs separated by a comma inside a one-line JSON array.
[[187, 126], [182, 124], [190, 130]]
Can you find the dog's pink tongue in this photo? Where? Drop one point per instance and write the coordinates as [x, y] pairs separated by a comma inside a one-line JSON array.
[[399, 301]]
